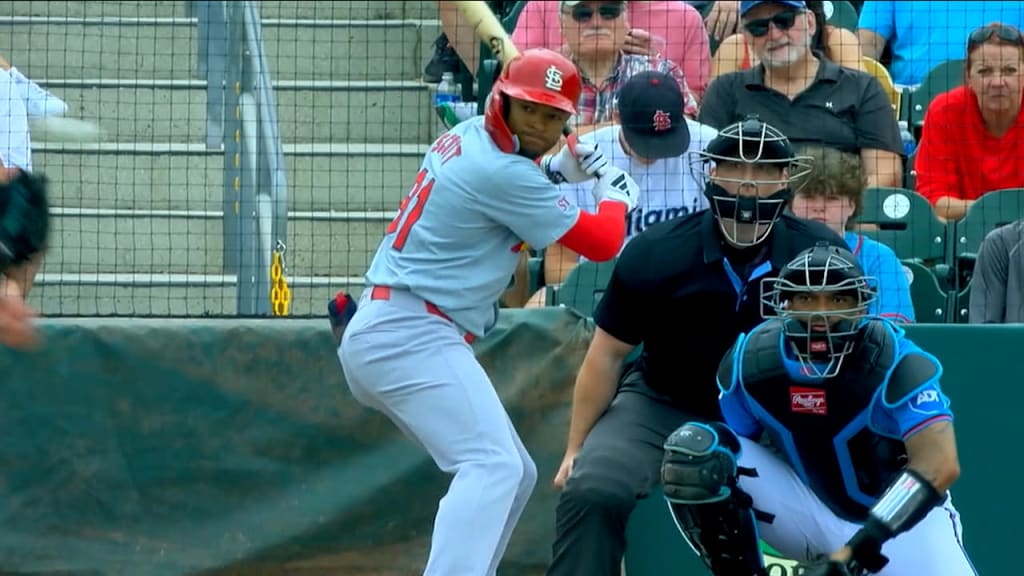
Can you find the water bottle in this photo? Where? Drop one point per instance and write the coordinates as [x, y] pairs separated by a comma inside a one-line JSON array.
[[446, 98], [909, 144]]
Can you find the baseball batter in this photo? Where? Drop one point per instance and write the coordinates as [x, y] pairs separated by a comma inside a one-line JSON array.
[[838, 448], [483, 189]]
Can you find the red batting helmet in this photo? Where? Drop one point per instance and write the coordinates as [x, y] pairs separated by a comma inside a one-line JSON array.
[[536, 75]]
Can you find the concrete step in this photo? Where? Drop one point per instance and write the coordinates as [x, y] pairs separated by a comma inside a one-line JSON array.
[[313, 9], [171, 295], [321, 177], [398, 111], [165, 48], [169, 242]]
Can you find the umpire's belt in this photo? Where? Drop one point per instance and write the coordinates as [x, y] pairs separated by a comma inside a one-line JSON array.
[[408, 299]]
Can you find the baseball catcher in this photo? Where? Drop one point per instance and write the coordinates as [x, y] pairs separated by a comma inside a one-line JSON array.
[[837, 440]]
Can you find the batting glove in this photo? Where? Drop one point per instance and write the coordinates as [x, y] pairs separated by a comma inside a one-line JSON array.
[[614, 184], [576, 162]]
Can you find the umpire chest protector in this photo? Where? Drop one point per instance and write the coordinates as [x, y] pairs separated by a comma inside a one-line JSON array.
[[821, 426]]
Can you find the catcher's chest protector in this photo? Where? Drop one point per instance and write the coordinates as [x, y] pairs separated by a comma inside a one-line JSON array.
[[808, 417]]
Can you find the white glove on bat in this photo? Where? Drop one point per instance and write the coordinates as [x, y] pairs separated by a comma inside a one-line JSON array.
[[614, 184], [564, 166]]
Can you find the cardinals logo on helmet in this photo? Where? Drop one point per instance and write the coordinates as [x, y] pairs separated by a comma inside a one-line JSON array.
[[553, 78]]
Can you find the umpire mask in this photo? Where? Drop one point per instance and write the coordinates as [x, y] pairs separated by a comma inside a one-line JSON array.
[[746, 216], [822, 297]]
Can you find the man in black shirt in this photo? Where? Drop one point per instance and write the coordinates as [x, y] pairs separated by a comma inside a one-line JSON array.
[[685, 289]]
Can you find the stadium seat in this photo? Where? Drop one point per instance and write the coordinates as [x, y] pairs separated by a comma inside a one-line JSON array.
[[931, 302], [910, 173], [942, 78], [583, 287], [841, 14], [875, 68], [510, 19], [905, 221], [962, 305], [992, 210]]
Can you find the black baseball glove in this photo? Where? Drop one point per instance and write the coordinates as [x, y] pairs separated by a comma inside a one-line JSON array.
[[824, 567], [24, 219], [340, 311]]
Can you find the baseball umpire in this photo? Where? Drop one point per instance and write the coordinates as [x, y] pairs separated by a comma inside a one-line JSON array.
[[838, 444], [24, 228], [684, 288]]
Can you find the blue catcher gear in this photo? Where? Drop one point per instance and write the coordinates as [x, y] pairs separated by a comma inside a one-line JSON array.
[[699, 473]]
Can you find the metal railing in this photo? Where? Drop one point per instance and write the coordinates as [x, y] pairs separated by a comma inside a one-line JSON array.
[[242, 119]]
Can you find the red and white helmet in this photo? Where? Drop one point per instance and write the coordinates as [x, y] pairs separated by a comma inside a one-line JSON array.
[[536, 75]]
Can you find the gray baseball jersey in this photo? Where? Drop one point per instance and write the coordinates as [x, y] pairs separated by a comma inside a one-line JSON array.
[[458, 234]]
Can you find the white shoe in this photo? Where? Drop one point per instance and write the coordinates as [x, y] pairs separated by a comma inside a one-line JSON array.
[[39, 102]]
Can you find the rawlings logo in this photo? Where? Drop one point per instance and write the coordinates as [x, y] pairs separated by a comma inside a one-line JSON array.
[[807, 400]]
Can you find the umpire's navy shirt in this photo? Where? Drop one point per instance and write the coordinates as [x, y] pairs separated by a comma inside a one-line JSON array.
[[683, 294]]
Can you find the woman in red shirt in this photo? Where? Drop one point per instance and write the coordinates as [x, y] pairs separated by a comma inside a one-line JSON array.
[[973, 136]]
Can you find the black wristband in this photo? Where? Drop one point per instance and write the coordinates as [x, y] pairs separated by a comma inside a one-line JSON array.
[[905, 503]]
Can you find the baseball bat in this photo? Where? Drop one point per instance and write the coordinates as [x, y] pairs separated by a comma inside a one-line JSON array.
[[489, 30]]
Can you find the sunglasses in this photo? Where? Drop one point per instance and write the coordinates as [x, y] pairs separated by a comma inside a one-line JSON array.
[[583, 14], [783, 21], [1004, 33]]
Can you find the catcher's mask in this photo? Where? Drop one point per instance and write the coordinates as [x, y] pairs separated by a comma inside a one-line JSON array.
[[748, 142], [822, 297]]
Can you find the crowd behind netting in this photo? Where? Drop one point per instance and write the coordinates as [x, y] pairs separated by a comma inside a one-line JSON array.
[[915, 131]]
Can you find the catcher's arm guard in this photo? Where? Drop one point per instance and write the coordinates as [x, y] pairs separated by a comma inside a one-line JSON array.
[[24, 219]]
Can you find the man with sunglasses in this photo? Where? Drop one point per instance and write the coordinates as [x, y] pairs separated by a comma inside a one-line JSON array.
[[599, 38], [809, 98], [672, 30], [684, 289], [973, 136]]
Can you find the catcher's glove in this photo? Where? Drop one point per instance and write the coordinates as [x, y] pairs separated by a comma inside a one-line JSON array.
[[825, 567], [24, 219]]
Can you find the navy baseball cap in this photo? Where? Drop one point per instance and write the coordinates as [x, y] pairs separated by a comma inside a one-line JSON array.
[[651, 115], [748, 6]]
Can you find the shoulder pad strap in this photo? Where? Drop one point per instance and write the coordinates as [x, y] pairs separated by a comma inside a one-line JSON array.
[[879, 348], [727, 367], [762, 354]]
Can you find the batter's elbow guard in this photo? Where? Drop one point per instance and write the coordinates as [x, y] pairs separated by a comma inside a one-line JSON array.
[[340, 311]]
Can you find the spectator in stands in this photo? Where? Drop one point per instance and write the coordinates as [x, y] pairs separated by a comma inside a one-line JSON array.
[[832, 193], [973, 136], [671, 30], [723, 16], [808, 98], [997, 287], [923, 34], [651, 144], [15, 142], [837, 44]]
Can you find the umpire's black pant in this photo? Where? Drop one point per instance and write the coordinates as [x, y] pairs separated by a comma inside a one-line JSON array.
[[619, 463]]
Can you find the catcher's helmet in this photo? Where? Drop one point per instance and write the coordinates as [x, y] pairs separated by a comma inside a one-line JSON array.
[[751, 142], [820, 336], [537, 75]]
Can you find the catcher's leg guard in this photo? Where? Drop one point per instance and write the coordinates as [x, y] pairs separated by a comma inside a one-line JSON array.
[[699, 473]]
